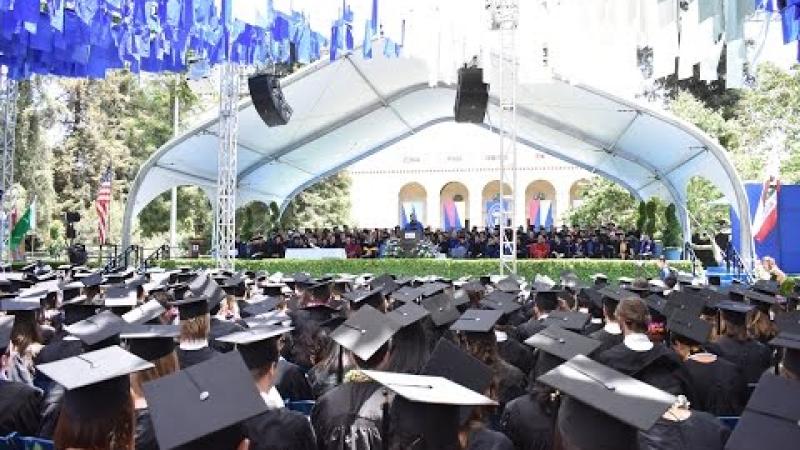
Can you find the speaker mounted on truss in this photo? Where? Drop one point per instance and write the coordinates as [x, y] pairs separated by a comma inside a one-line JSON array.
[[472, 95], [268, 99]]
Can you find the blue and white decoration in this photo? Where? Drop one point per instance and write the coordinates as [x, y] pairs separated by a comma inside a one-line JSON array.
[[85, 38]]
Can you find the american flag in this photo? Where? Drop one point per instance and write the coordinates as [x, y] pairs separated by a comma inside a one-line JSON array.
[[103, 203]]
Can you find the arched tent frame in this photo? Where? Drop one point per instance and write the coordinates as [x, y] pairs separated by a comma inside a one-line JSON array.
[[348, 109]]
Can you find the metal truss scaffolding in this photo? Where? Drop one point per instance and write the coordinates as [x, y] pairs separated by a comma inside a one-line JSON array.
[[225, 212], [8, 116], [505, 18]]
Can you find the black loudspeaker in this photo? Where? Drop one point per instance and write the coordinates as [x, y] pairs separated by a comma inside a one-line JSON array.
[[77, 254], [472, 95], [265, 90], [70, 231], [73, 216]]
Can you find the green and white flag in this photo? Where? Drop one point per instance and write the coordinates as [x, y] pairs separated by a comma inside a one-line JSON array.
[[24, 225]]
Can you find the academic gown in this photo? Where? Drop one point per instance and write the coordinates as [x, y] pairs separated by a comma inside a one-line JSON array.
[[280, 429], [701, 431], [349, 417], [511, 382], [20, 408], [291, 382], [530, 328], [58, 349], [188, 358], [517, 354], [485, 439], [221, 328], [659, 367], [607, 340], [719, 387], [528, 424], [585, 427], [752, 357], [145, 434]]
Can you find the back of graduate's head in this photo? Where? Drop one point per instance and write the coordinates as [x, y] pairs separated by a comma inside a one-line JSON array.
[[410, 350], [97, 417], [195, 328], [633, 315], [163, 366]]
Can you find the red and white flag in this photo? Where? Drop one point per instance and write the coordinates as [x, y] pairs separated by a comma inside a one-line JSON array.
[[766, 218], [103, 203]]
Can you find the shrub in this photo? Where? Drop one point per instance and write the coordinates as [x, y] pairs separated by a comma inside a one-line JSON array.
[[672, 228]]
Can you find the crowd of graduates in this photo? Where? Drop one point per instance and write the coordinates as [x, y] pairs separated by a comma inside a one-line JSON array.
[[608, 242], [202, 359]]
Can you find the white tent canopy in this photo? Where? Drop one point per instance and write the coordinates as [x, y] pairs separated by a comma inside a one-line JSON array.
[[348, 109]]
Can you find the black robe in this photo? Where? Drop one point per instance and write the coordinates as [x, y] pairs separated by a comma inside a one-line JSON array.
[[659, 367], [20, 408], [342, 421], [701, 431], [511, 382], [528, 424], [485, 439], [280, 429], [582, 426], [291, 382], [529, 328], [58, 349], [188, 358], [517, 354], [145, 434], [221, 328], [752, 357], [719, 387], [607, 340]]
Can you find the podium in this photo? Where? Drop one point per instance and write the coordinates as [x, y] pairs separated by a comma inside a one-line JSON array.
[[410, 239]]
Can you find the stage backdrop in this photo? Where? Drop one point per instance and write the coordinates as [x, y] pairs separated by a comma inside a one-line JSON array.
[[781, 243]]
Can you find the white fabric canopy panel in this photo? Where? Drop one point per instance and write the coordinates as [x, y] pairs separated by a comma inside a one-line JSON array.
[[350, 108]]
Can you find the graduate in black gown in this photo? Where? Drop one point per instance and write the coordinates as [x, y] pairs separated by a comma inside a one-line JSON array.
[[276, 428], [749, 355], [637, 356], [350, 415], [193, 345], [718, 385], [156, 344], [20, 404], [611, 334], [529, 420], [545, 301], [681, 428]]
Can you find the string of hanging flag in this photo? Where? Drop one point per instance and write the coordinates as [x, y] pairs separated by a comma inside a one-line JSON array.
[[86, 38]]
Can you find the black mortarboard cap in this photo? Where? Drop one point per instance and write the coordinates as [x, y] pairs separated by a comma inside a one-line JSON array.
[[433, 288], [769, 287], [791, 343], [146, 312], [507, 284], [761, 300], [682, 301], [97, 328], [20, 305], [406, 294], [372, 297], [202, 399], [562, 343], [442, 308], [429, 389], [477, 320], [407, 314], [120, 297], [273, 289], [95, 279], [502, 301], [6, 325], [770, 419], [788, 321], [568, 320], [204, 286], [192, 307], [93, 367], [688, 325], [735, 312], [256, 344], [657, 304], [77, 309], [627, 399], [321, 290], [736, 292], [150, 342], [364, 332], [271, 318], [385, 283], [262, 306]]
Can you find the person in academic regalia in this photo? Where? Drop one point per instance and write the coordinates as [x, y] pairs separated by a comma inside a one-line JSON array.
[[685, 429], [193, 347], [611, 334], [545, 302], [528, 420], [276, 428], [637, 356], [719, 386], [291, 382], [749, 355], [156, 344], [350, 415], [20, 404]]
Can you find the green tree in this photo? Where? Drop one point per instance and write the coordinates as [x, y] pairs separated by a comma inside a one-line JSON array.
[[325, 204], [641, 215], [604, 201], [671, 234]]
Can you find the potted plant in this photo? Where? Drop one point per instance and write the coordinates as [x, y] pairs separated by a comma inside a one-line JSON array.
[[672, 234]]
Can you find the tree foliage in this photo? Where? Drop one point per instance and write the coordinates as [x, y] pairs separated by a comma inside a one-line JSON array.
[[325, 204], [604, 201]]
